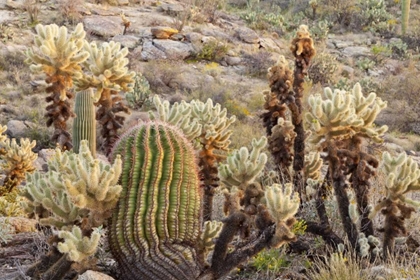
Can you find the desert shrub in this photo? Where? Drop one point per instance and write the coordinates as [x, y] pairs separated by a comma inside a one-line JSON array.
[[140, 95], [319, 29], [32, 8], [261, 20], [213, 69], [338, 266], [270, 261], [14, 64], [403, 99], [323, 69], [364, 15], [398, 48], [208, 8], [161, 74], [365, 64], [6, 232], [212, 50], [69, 10], [257, 63], [381, 52]]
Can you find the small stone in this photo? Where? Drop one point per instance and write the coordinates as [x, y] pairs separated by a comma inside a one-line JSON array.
[[232, 60], [162, 32], [127, 41], [17, 129], [94, 275], [248, 35]]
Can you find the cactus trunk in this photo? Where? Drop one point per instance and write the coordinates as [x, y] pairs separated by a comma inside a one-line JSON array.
[[84, 126], [156, 224], [405, 9]]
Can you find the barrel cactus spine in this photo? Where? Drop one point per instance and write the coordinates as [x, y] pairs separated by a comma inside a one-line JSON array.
[[84, 125], [157, 222]]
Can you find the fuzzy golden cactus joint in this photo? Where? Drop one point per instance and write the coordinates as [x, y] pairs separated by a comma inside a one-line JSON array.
[[18, 160], [282, 206], [341, 115]]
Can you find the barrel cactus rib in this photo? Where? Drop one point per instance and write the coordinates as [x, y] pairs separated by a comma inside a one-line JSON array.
[[157, 222]]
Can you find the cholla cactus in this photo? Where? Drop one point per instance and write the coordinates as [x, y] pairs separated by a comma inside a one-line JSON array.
[[79, 192], [18, 160], [402, 177], [179, 114], [76, 187], [76, 246], [341, 115], [280, 144], [61, 54], [243, 167], [60, 58], [107, 65], [211, 230], [313, 164], [282, 206]]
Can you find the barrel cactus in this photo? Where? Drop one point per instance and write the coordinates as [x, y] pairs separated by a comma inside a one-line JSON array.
[[157, 222]]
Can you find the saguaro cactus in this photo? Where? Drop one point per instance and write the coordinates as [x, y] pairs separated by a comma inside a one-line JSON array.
[[156, 224], [405, 9], [84, 125]]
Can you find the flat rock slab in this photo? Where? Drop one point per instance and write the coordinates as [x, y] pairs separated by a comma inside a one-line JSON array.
[[174, 49], [150, 52], [127, 41], [106, 27], [94, 275], [5, 16], [247, 35], [356, 51]]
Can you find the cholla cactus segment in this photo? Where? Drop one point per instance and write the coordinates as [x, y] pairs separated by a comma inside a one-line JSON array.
[[60, 53], [75, 185], [93, 184], [18, 160], [76, 246], [215, 124], [313, 164], [402, 176], [341, 115], [243, 167], [211, 231], [48, 191], [107, 64], [364, 246], [2, 136], [178, 114], [282, 206]]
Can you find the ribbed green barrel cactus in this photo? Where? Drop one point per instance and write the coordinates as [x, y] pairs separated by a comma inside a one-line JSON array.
[[84, 125], [156, 225]]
